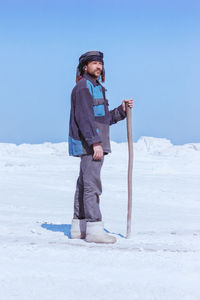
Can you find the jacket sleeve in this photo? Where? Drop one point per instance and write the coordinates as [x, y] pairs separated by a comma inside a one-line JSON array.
[[84, 116], [116, 115]]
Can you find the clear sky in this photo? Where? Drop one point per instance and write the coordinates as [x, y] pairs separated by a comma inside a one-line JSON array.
[[151, 52]]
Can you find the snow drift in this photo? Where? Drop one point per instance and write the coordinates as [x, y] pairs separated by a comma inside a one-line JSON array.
[[161, 260]]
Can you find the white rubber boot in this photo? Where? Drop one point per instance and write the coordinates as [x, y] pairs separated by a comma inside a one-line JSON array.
[[95, 234], [78, 229]]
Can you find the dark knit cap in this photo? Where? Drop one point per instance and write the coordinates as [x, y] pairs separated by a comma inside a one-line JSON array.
[[88, 57]]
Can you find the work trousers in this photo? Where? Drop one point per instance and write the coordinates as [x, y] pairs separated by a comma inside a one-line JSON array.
[[88, 189]]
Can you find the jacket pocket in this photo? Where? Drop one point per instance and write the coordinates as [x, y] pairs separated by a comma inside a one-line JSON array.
[[99, 108]]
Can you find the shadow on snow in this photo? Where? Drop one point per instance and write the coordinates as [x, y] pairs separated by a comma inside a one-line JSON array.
[[66, 229]]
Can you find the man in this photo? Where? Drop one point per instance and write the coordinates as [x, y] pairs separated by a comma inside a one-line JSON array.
[[89, 139]]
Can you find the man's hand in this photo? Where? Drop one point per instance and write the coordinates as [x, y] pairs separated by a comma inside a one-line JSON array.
[[130, 104], [98, 151]]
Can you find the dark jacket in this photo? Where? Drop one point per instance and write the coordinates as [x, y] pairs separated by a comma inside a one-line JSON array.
[[90, 117]]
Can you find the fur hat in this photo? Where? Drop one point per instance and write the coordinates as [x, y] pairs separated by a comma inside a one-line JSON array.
[[83, 61]]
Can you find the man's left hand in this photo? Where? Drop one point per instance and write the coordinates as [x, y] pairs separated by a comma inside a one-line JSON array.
[[130, 103]]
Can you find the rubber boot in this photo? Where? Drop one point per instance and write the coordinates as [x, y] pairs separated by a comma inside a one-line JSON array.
[[78, 229], [95, 233]]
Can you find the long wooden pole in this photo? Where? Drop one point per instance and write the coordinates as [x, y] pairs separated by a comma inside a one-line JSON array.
[[130, 167]]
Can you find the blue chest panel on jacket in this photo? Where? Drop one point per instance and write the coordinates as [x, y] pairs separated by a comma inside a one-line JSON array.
[[96, 92]]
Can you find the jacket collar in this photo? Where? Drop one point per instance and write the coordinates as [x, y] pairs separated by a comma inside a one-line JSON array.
[[95, 83], [87, 76]]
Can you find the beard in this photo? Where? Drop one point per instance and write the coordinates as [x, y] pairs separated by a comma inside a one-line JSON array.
[[94, 74]]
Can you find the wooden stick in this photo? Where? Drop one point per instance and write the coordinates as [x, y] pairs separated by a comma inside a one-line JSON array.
[[130, 167]]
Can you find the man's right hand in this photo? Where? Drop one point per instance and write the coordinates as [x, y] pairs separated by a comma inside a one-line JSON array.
[[98, 151]]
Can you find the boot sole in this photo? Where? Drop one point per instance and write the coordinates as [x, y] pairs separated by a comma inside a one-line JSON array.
[[94, 240]]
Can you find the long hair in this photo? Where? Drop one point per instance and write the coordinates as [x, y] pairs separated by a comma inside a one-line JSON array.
[[81, 71]]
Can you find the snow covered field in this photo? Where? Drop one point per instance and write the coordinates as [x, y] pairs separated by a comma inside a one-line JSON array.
[[38, 260]]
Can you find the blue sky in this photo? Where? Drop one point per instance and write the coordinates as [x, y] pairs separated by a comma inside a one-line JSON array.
[[151, 52]]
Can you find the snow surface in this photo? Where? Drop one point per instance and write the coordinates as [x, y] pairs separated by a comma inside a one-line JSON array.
[[38, 260]]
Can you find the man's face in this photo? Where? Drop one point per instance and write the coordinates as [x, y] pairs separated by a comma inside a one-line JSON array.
[[94, 68]]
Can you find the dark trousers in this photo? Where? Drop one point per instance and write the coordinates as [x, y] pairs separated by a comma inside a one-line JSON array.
[[88, 189]]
